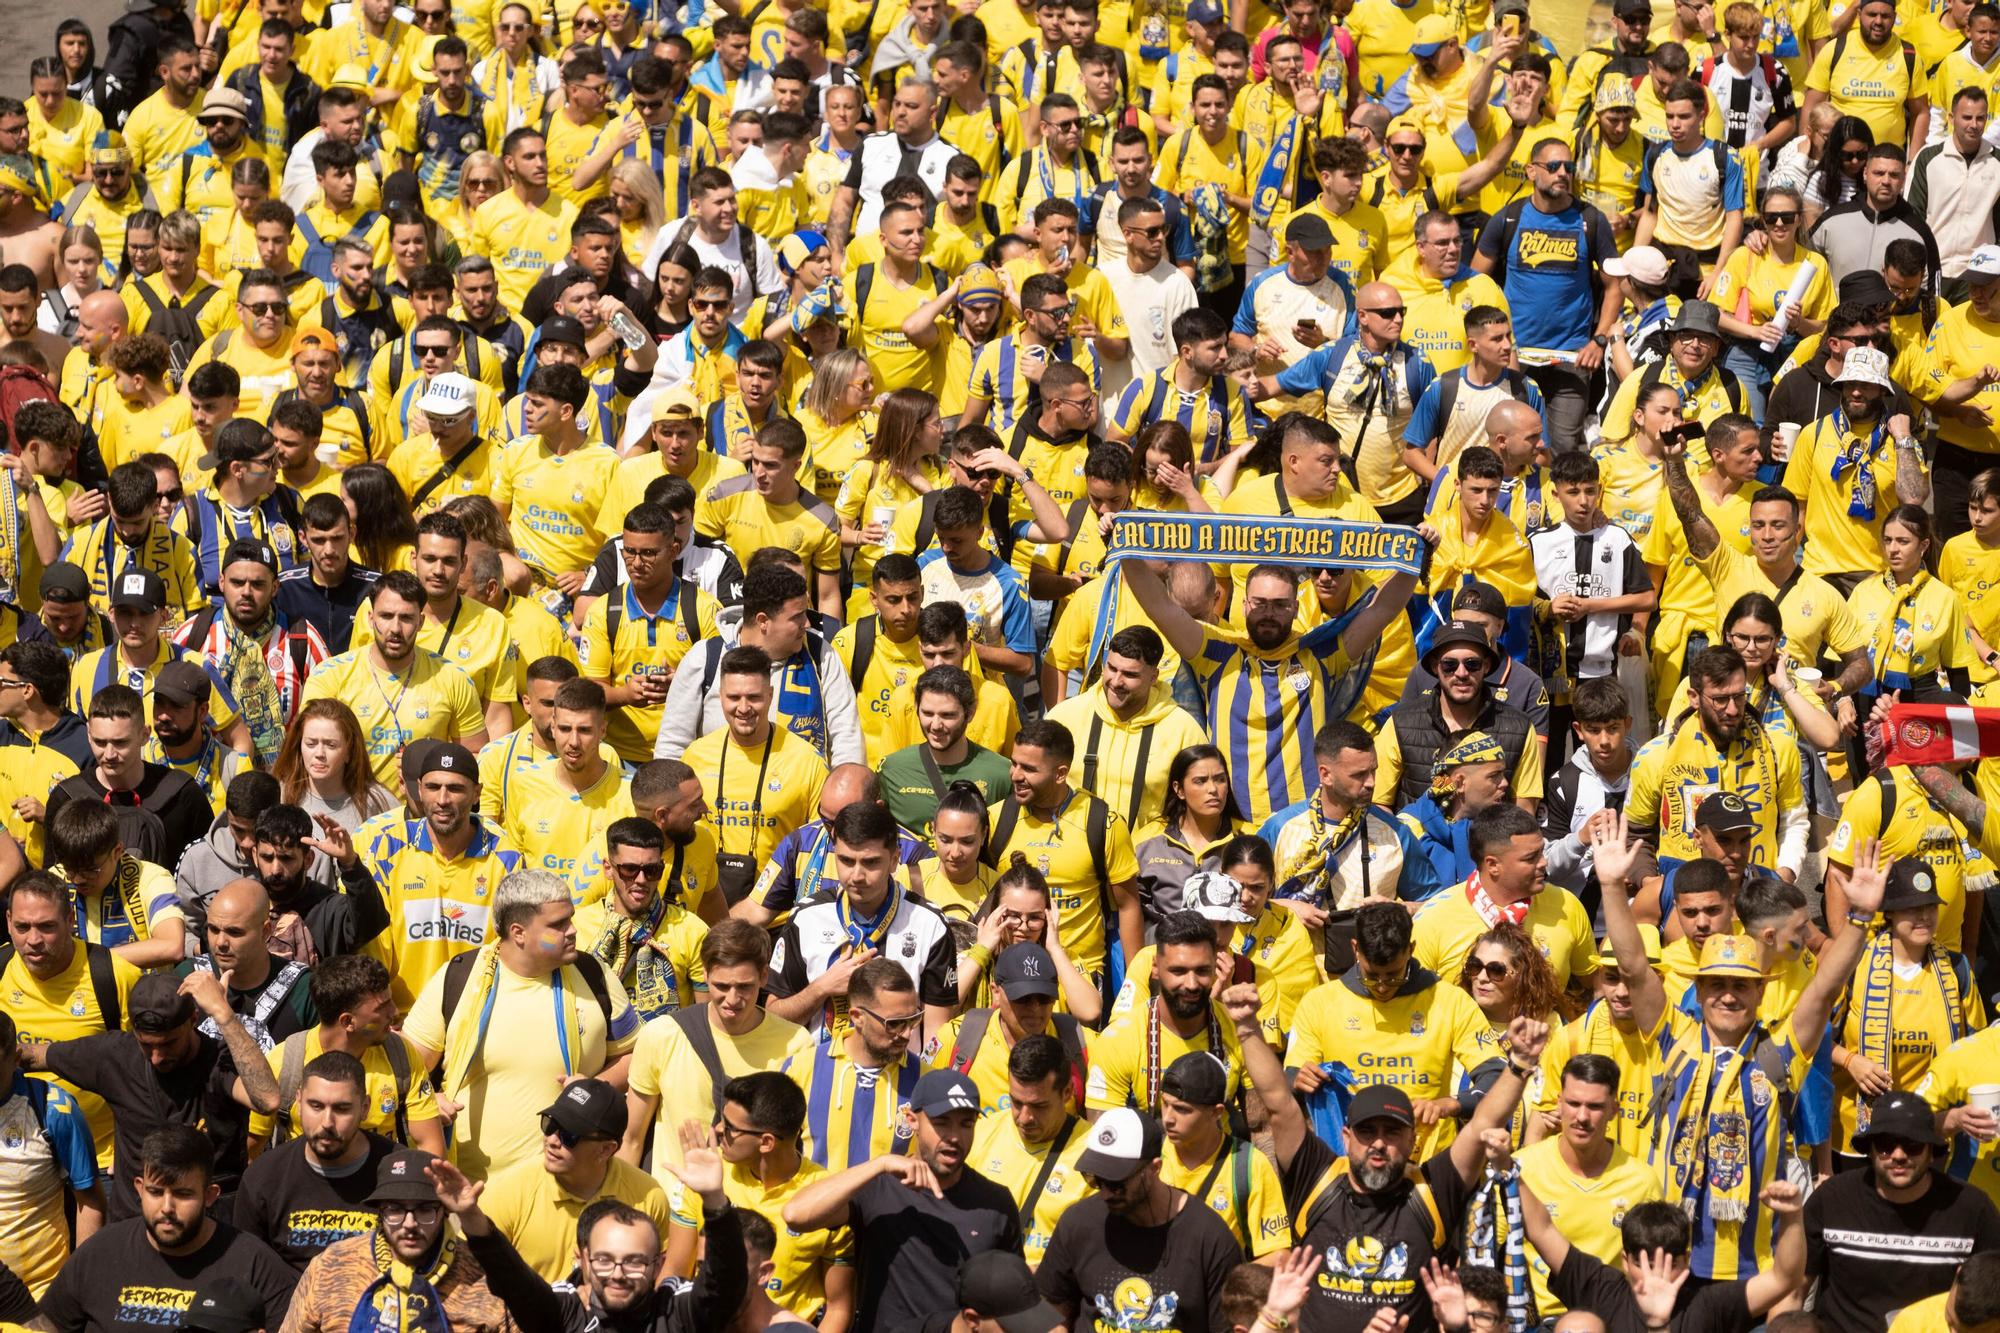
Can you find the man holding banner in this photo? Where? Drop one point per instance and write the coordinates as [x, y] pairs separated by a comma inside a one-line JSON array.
[[1269, 687]]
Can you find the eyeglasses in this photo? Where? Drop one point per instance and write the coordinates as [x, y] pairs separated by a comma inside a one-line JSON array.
[[1388, 312], [262, 461], [1083, 404], [426, 1213], [729, 1133], [13, 684], [1492, 971], [1400, 148], [709, 303], [433, 349], [1479, 1318], [651, 869], [631, 1266], [594, 89], [1461, 666], [1784, 219], [1562, 164], [894, 1025], [264, 307], [108, 173]]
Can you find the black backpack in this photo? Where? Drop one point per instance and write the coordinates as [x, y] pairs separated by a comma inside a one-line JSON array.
[[179, 325]]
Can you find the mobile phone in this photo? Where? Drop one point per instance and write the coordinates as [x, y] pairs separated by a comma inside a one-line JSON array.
[[1511, 25]]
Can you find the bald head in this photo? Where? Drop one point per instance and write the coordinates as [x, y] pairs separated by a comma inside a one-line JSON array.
[[845, 785], [1514, 430], [1580, 1321], [100, 321], [239, 917], [1371, 116]]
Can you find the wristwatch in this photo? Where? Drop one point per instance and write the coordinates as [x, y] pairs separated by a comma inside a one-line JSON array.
[[1601, 339]]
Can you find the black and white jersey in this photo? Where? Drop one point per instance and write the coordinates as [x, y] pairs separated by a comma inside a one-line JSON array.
[[1750, 103], [1603, 563], [815, 938]]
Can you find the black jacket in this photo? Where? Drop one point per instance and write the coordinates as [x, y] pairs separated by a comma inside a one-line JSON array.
[[301, 108], [712, 1301], [132, 59]]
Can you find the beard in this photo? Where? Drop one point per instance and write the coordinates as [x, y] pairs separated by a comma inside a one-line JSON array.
[[1375, 1179], [1186, 1004]]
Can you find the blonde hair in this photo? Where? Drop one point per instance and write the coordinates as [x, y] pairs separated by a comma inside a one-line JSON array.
[[835, 371], [644, 184]]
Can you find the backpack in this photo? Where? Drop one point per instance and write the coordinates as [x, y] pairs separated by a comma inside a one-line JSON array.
[[470, 343], [318, 258], [694, 1025], [143, 832], [1448, 386], [292, 1076], [864, 281], [65, 314], [459, 970], [866, 630], [97, 961], [178, 324], [972, 1031], [23, 384], [690, 612]]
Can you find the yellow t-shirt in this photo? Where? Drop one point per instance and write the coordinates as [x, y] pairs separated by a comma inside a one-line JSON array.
[[558, 828], [999, 1154], [800, 1263], [474, 638], [1962, 1066], [381, 1090], [1257, 1215], [1188, 161], [1060, 849], [1121, 1071], [62, 1008], [1867, 83], [522, 241], [1447, 924], [514, 1077], [665, 1066], [734, 514], [533, 1210], [552, 501], [647, 645], [431, 697], [1587, 1211], [757, 795]]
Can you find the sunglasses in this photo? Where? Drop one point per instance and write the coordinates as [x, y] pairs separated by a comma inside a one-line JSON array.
[[1461, 666], [1150, 233], [1784, 219], [1562, 164], [1388, 312], [1061, 126], [1401, 148], [1854, 155], [433, 349], [703, 303], [565, 1137], [648, 103], [894, 1025], [654, 869], [1491, 971], [264, 307], [1057, 311], [172, 497], [1887, 1145], [589, 25]]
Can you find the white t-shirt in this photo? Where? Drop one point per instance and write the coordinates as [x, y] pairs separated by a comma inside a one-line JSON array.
[[1156, 300]]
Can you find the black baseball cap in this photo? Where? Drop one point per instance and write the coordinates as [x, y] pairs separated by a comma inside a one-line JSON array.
[[237, 440], [402, 1177], [1912, 884], [448, 757], [564, 329], [249, 548], [1310, 231], [181, 681], [156, 1004], [139, 589], [1197, 1078], [65, 582], [224, 1305], [1724, 812], [943, 1091], [997, 1285], [415, 754], [1025, 971], [589, 1108], [1380, 1101], [1901, 1115]]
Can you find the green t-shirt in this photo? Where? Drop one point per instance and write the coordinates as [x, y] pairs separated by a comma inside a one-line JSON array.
[[906, 783]]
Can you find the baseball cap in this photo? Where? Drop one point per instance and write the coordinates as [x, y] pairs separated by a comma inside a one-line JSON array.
[[1204, 11], [414, 755], [402, 1177], [140, 589], [1122, 1141], [224, 1305], [225, 102], [565, 330], [1911, 885], [588, 1108], [352, 75], [1309, 232], [447, 395], [1901, 1115], [1724, 812], [249, 548], [448, 757], [1731, 956], [181, 682], [156, 1004], [1197, 1078], [1649, 935], [1214, 896], [679, 401], [1025, 971], [1644, 263], [236, 441], [797, 248], [1434, 32], [943, 1091], [1460, 634], [1379, 1101], [314, 338], [1984, 263], [1614, 95], [997, 1285], [1631, 9], [1865, 365], [65, 582]]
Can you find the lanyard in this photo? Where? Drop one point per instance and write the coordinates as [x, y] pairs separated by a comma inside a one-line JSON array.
[[450, 627], [757, 796], [562, 1023], [395, 704]]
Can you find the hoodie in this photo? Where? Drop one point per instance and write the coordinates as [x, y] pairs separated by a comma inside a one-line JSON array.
[[206, 867], [1445, 843], [1111, 750]]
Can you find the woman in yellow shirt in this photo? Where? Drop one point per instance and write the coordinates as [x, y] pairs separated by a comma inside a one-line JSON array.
[[480, 177], [839, 421], [1916, 624], [1164, 477], [642, 206], [1507, 977], [902, 463], [956, 879], [1749, 287]]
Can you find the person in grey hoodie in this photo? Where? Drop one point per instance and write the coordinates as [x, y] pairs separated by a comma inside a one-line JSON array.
[[223, 854]]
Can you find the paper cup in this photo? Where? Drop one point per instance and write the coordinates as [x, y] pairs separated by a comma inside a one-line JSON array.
[[1807, 677], [1984, 1097], [327, 454], [883, 515], [1781, 444]]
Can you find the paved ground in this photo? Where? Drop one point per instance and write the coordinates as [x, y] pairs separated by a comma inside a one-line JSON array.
[[32, 29]]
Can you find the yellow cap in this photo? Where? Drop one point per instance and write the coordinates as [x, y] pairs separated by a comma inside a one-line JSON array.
[[1649, 935], [422, 67], [353, 76], [679, 401], [107, 148], [1732, 956]]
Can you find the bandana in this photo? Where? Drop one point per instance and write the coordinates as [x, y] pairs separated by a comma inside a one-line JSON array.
[[1475, 747]]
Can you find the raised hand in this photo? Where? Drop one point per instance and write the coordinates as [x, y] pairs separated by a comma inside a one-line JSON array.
[[701, 1165], [1869, 879], [1655, 1285], [1241, 1002], [1527, 1037], [210, 992], [1447, 1294], [333, 840], [1612, 852], [1291, 1279], [1783, 1198], [456, 1191]]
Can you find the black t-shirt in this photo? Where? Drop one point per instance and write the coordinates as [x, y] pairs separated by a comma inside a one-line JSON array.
[[1873, 1257], [291, 1008], [331, 611], [168, 794], [142, 1099], [1375, 1244], [916, 1242], [1115, 1274], [1586, 1282], [117, 1281], [299, 1210]]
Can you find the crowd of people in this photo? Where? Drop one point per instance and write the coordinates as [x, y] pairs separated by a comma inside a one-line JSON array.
[[1110, 665]]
